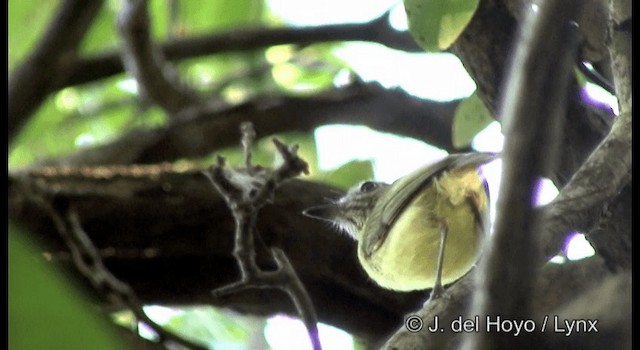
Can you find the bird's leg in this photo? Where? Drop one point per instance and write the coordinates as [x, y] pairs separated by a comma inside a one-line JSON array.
[[438, 290]]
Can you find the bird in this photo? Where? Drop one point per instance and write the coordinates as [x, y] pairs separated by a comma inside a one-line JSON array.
[[424, 230]]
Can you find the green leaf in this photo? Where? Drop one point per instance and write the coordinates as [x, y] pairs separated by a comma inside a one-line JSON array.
[[471, 117], [45, 310], [102, 34], [27, 21], [203, 16], [436, 24]]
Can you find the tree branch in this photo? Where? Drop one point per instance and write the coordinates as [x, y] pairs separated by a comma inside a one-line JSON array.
[[368, 104], [245, 39], [32, 81], [555, 288], [606, 306], [484, 49], [246, 191], [604, 175], [89, 263], [156, 79], [159, 231], [435, 314], [533, 111], [45, 67], [621, 53], [592, 24], [599, 180]]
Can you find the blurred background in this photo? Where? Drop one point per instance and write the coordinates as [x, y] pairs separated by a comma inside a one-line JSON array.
[[82, 116]]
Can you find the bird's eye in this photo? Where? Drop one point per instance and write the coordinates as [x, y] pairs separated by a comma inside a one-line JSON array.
[[368, 186]]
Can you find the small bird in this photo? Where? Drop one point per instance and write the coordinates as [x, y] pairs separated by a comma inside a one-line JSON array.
[[424, 230]]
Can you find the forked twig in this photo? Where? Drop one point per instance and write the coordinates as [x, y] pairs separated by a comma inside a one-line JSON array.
[[246, 190]]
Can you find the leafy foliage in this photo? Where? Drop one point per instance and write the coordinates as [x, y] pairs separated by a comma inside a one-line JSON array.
[[470, 118], [21, 13], [436, 24]]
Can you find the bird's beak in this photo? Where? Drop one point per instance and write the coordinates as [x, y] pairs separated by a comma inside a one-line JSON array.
[[323, 212]]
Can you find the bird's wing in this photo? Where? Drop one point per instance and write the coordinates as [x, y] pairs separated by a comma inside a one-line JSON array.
[[404, 190]]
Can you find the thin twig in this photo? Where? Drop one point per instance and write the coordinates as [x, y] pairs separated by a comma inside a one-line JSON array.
[[156, 78], [248, 137], [89, 263], [245, 39], [246, 191]]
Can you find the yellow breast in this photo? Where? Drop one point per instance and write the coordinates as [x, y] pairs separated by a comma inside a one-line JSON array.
[[408, 257]]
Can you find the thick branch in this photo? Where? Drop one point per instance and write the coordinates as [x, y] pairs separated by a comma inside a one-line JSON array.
[[88, 262], [592, 24], [485, 47], [47, 64], [160, 228], [599, 180], [202, 131], [607, 306], [604, 175], [533, 112], [621, 52], [169, 232], [555, 287], [454, 303]]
